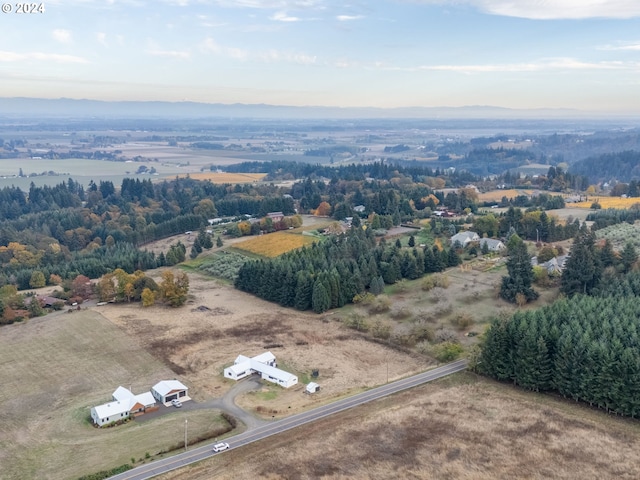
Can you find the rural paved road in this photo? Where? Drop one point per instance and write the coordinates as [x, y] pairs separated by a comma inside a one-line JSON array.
[[273, 428]]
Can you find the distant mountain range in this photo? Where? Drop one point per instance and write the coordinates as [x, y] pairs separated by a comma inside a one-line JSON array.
[[65, 107]]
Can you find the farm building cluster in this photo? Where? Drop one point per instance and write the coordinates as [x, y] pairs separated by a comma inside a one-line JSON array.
[[125, 404], [265, 365]]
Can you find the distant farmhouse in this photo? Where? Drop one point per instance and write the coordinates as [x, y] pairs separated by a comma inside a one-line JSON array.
[[124, 404], [464, 238], [493, 245], [265, 364]]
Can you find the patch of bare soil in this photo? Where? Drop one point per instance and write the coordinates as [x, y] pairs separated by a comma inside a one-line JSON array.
[[462, 428], [218, 323]]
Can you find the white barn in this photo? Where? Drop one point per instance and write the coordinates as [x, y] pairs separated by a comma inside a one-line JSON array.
[[124, 404], [168, 390], [265, 364]]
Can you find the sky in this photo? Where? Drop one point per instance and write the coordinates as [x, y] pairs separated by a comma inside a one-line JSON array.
[[577, 54]]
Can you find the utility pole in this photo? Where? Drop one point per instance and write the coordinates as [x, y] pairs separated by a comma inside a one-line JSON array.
[[185, 434]]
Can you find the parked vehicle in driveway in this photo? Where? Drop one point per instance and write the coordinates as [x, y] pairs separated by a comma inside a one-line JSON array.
[[219, 447], [176, 403]]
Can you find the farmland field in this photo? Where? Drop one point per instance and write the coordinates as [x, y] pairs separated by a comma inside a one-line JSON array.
[[461, 427], [609, 202], [274, 244], [496, 195], [224, 177], [54, 369]]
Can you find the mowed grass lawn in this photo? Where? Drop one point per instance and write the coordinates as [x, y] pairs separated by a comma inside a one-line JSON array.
[[274, 244], [54, 369]]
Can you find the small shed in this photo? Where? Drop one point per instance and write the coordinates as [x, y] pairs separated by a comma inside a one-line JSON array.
[[312, 387]]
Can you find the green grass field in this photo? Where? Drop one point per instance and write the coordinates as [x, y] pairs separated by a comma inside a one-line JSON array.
[[54, 369]]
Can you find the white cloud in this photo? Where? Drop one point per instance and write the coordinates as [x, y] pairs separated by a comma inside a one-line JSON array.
[[291, 57], [102, 39], [346, 18], [629, 47], [182, 54], [552, 9], [40, 56], [61, 35], [553, 64], [209, 45], [271, 4], [283, 17]]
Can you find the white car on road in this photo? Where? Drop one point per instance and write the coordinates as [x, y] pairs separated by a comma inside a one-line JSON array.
[[219, 447], [176, 403]]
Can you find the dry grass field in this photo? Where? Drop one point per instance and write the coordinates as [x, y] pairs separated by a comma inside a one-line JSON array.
[[57, 367], [462, 427], [224, 177], [274, 244], [496, 195], [218, 323], [608, 202]]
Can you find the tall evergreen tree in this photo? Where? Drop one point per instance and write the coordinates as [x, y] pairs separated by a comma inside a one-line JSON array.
[[628, 257], [320, 300], [582, 270], [520, 274]]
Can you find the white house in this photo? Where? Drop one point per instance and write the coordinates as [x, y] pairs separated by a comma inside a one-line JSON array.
[[168, 390], [493, 245], [124, 404], [464, 238], [265, 364]]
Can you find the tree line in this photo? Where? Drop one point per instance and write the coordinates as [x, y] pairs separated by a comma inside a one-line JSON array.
[[331, 273], [586, 348]]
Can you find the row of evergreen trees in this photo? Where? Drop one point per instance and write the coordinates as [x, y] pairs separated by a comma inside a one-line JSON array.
[[586, 347], [330, 274]]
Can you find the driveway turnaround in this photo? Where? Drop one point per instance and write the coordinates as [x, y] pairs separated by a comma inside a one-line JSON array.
[[158, 467]]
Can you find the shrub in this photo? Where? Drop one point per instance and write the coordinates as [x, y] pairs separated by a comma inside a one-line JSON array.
[[447, 351], [403, 339], [424, 348], [462, 320], [442, 280], [428, 283], [357, 322], [435, 280], [364, 298], [423, 332], [107, 473], [380, 329], [445, 335], [437, 294], [400, 313], [380, 304], [424, 317]]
